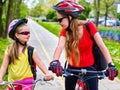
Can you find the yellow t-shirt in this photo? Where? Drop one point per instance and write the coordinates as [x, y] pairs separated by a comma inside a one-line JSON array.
[[20, 69]]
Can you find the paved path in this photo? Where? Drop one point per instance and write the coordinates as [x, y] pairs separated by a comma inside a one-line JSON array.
[[45, 44]]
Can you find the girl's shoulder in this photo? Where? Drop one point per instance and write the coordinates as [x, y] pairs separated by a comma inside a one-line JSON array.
[[63, 32], [7, 50], [91, 23], [92, 27]]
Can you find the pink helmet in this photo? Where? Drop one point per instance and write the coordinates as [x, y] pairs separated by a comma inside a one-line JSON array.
[[13, 25], [68, 7]]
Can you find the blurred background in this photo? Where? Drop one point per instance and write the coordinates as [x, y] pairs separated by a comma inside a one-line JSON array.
[[104, 13]]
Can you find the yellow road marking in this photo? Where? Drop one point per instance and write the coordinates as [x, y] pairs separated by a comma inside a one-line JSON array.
[[43, 48]]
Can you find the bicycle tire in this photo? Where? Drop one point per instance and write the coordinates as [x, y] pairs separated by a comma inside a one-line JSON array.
[[81, 86]]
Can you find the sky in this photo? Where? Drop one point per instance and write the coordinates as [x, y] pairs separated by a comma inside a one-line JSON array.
[[30, 3]]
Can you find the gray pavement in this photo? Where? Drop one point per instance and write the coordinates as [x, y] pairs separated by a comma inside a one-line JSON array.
[[45, 44]]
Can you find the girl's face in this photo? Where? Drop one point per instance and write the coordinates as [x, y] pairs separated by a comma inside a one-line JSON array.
[[23, 33], [62, 20]]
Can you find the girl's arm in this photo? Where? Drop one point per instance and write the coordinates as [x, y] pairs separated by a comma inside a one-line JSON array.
[[41, 66], [55, 65], [112, 70], [102, 47], [59, 48], [4, 66]]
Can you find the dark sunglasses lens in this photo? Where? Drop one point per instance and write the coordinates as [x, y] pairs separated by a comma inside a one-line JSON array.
[[24, 33], [60, 20]]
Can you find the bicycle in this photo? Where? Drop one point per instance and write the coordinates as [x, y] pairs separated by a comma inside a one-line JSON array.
[[81, 81], [35, 84]]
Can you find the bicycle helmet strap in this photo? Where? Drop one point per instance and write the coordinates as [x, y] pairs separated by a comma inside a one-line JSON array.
[[69, 22], [17, 40]]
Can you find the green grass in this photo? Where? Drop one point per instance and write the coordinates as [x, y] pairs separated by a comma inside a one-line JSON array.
[[102, 28], [53, 27], [113, 46], [3, 44]]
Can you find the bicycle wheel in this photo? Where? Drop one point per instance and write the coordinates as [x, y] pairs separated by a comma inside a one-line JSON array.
[[81, 86], [6, 86], [18, 87]]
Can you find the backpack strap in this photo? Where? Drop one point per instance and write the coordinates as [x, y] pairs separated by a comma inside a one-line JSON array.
[[31, 62], [88, 29], [100, 62]]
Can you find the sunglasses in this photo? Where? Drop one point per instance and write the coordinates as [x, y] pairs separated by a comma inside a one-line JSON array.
[[60, 19], [24, 33]]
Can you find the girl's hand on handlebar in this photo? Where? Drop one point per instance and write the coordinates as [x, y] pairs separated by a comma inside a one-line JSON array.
[[48, 77], [1, 80], [112, 71], [55, 67]]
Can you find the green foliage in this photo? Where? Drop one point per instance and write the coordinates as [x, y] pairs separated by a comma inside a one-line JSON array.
[[53, 27], [101, 28], [118, 16], [3, 21], [3, 44], [51, 14], [114, 48], [24, 11], [87, 10], [37, 11]]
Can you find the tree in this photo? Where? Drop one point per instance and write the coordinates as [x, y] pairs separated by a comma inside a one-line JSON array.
[[24, 10], [97, 10], [13, 12], [37, 11], [52, 15], [108, 4], [87, 7], [1, 13], [48, 6]]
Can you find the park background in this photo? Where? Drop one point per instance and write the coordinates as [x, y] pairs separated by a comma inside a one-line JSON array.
[[97, 11]]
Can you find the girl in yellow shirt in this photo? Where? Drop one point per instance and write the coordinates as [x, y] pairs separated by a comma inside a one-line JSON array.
[[16, 55]]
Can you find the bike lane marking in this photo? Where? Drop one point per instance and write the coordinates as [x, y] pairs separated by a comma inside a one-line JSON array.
[[48, 57]]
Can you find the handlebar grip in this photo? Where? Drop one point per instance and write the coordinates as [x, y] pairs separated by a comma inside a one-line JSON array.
[[3, 83]]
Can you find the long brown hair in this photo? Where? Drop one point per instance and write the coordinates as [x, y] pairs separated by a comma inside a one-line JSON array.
[[13, 49], [72, 41]]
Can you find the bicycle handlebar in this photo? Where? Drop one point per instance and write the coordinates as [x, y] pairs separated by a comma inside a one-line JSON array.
[[4, 83], [84, 71], [23, 81], [41, 81], [71, 72]]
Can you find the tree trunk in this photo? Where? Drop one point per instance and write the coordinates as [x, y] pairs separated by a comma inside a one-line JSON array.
[[108, 4], [106, 14], [97, 10], [13, 11], [1, 25]]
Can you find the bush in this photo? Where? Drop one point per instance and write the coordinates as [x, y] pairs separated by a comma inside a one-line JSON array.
[[51, 15]]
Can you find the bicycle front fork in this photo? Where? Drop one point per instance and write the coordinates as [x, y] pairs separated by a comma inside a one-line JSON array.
[[80, 85]]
